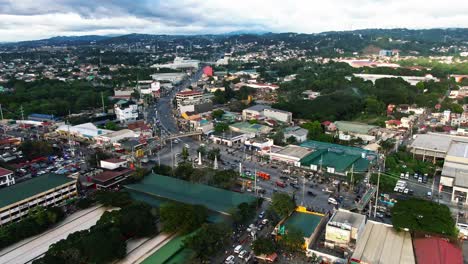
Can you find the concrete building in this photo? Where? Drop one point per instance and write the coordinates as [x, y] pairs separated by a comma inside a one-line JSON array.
[[455, 171], [310, 95], [115, 136], [179, 63], [251, 130], [229, 138], [109, 179], [6, 178], [264, 111], [126, 111], [433, 146], [291, 154], [343, 229], [380, 243], [412, 80], [352, 130], [44, 190], [149, 87], [123, 93], [172, 77], [113, 163], [300, 134], [83, 131], [188, 98]]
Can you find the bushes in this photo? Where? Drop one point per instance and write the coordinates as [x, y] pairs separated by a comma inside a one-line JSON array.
[[183, 218], [38, 220]]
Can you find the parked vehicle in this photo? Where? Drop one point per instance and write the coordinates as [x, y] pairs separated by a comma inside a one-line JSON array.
[[424, 179], [238, 249], [420, 179], [402, 175], [263, 175], [311, 193], [332, 200], [230, 260], [243, 254]]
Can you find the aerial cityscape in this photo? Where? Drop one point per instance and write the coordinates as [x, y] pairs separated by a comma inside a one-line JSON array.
[[247, 132]]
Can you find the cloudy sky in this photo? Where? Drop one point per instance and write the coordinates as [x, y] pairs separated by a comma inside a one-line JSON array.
[[36, 19]]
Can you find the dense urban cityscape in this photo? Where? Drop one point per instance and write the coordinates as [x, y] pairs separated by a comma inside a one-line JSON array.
[[240, 147]]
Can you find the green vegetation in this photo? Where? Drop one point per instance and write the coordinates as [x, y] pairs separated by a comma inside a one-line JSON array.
[[423, 216], [105, 241], [263, 245], [221, 127], [217, 114], [37, 221], [52, 97], [208, 240], [182, 218], [282, 204], [245, 212], [113, 199], [35, 149], [293, 240]]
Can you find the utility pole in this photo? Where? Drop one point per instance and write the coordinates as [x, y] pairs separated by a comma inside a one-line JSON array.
[[102, 100], [255, 184], [1, 111], [303, 190], [377, 193], [352, 177]]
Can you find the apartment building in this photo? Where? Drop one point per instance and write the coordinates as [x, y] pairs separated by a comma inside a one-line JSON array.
[[126, 111]]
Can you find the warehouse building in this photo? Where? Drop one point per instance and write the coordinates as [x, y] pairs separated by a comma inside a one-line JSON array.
[[44, 190], [433, 146]]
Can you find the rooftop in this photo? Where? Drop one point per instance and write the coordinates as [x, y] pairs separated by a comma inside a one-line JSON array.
[[114, 160], [458, 171], [4, 172], [437, 251], [31, 187], [380, 243], [215, 199], [354, 127], [346, 217], [458, 149], [306, 222], [108, 175], [294, 151], [435, 141], [258, 108]]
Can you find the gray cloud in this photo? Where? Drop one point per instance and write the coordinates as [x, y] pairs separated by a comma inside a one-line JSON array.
[[32, 19]]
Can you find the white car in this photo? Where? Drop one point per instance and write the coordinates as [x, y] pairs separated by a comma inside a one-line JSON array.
[[407, 175], [243, 254], [406, 191], [332, 200], [230, 260], [402, 175], [238, 249], [396, 189]]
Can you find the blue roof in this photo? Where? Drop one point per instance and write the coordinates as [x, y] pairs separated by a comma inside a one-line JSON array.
[[43, 116]]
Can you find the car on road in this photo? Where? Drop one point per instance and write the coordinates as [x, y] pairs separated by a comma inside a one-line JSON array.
[[243, 254], [238, 249], [281, 184], [230, 260], [380, 215], [332, 200], [311, 193], [294, 185], [424, 179], [261, 215], [284, 178], [420, 179]]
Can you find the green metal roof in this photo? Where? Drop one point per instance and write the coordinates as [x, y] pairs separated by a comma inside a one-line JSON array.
[[168, 251], [26, 189], [337, 156], [304, 222], [170, 188]]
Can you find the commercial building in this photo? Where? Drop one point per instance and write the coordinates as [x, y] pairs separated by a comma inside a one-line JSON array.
[[229, 138], [337, 159], [433, 146], [179, 63], [115, 136], [149, 87], [126, 111], [173, 77], [455, 171], [412, 80], [43, 190], [6, 178], [251, 130], [113, 163], [109, 179], [380, 243], [343, 229], [83, 131], [300, 134], [190, 101], [264, 111], [290, 154], [353, 130]]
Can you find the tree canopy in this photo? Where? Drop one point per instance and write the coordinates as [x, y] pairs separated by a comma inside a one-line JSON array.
[[282, 204], [183, 218], [208, 240]]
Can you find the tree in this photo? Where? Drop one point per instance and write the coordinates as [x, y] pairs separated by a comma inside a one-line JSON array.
[[214, 152], [293, 240], [217, 114], [111, 126], [208, 240], [221, 127], [244, 213], [162, 169], [263, 245], [183, 218], [374, 106], [387, 145], [113, 199], [201, 149], [423, 216], [314, 129], [184, 154], [139, 174], [184, 170], [35, 149], [282, 204], [278, 138], [291, 140], [137, 220], [224, 178]]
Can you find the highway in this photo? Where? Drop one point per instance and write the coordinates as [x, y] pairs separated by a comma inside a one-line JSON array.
[[29, 249]]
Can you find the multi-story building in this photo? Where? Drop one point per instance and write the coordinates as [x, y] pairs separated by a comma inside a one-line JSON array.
[[6, 178], [343, 229], [264, 111], [44, 190], [300, 134], [126, 111]]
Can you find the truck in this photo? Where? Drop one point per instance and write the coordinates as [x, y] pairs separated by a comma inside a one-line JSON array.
[[263, 175]]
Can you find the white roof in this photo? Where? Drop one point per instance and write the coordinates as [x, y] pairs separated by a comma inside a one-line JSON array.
[[435, 142]]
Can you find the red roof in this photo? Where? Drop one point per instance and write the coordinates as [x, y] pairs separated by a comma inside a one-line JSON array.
[[326, 123], [110, 174], [4, 172], [393, 122], [189, 93], [434, 250]]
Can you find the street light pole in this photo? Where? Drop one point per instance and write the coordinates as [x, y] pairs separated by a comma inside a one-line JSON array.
[[377, 194]]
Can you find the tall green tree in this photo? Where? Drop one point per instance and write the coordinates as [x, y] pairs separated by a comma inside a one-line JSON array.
[[182, 218], [263, 245], [208, 240], [282, 204], [293, 240]]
